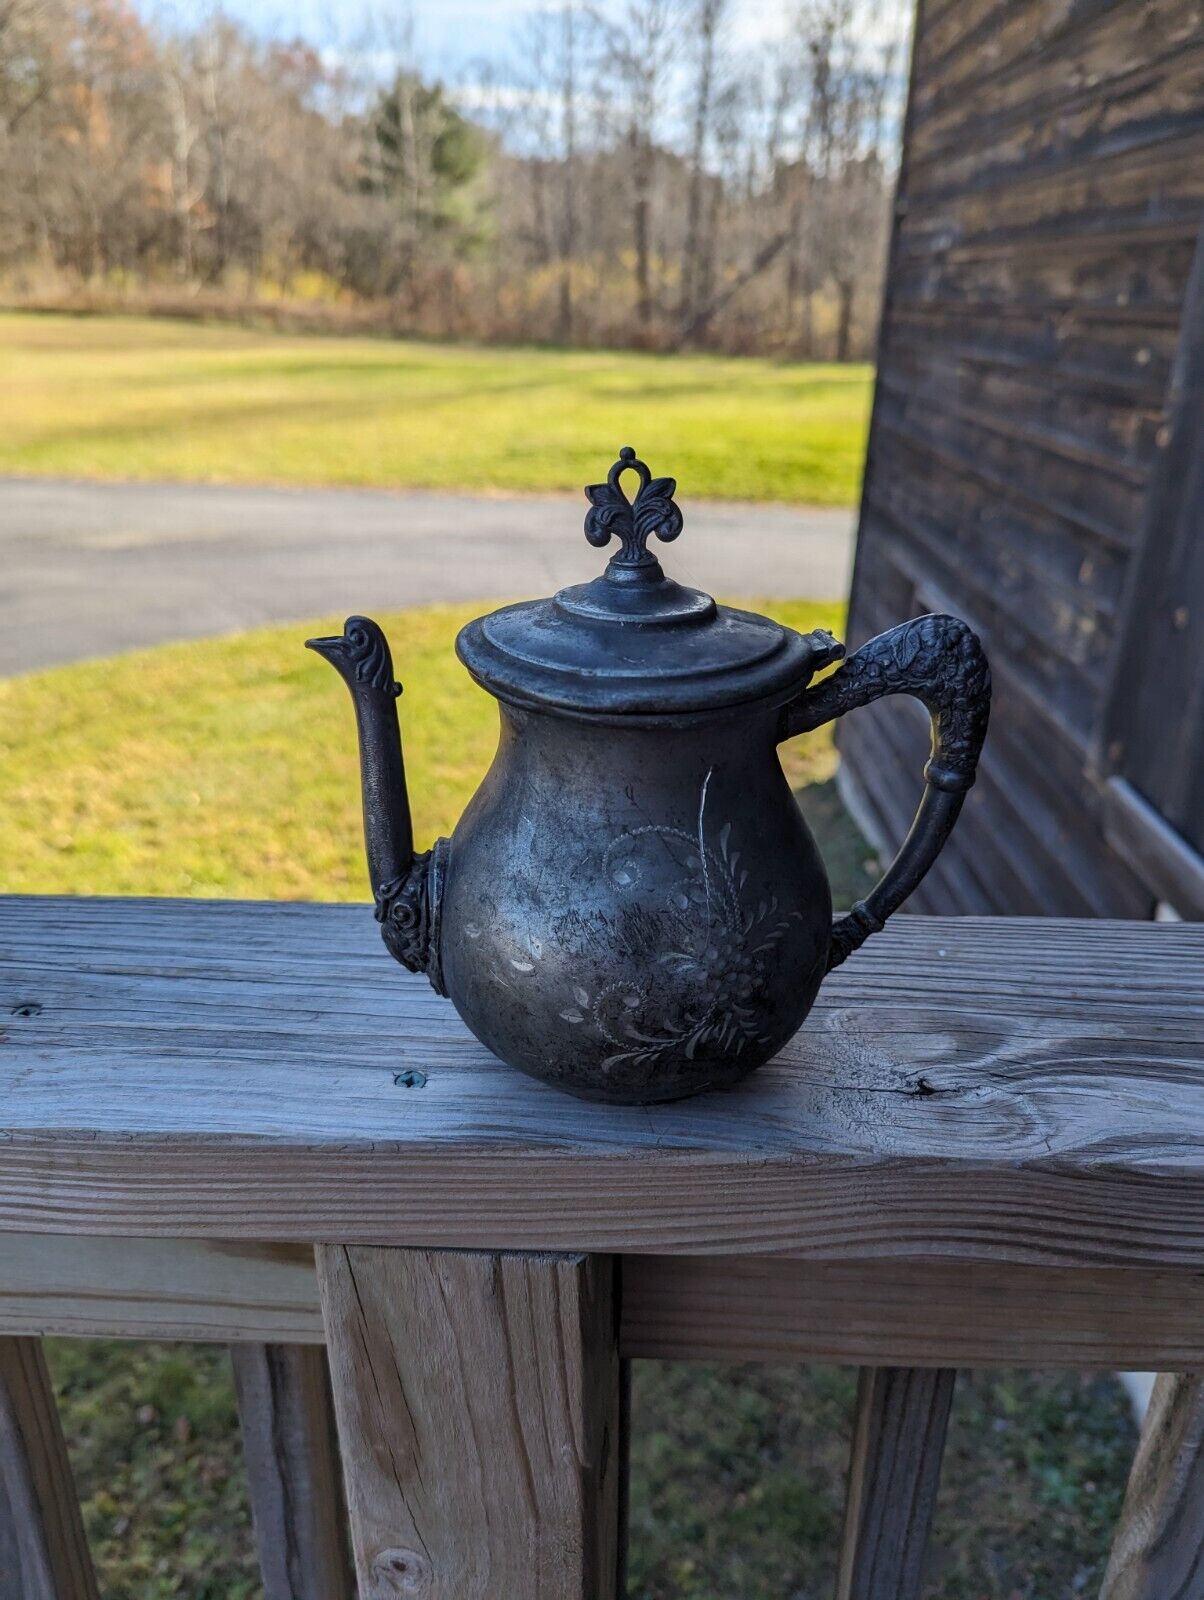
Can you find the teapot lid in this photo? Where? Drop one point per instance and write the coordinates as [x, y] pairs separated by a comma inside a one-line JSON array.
[[633, 642]]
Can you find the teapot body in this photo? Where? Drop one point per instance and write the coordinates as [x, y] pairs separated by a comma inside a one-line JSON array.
[[632, 906], [634, 913]]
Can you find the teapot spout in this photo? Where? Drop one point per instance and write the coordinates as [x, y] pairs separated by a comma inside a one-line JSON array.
[[405, 886]]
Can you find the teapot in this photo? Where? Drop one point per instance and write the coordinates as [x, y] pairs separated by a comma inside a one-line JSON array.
[[632, 906]]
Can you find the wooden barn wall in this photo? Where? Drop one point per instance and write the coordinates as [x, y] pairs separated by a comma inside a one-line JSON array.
[[1050, 197]]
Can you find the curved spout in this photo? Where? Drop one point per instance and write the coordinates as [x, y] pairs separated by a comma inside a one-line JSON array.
[[360, 655], [407, 888]]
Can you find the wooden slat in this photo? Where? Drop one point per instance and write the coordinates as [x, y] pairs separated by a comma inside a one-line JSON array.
[[623, 1468], [909, 1314], [1170, 866], [291, 1454], [1158, 1553], [41, 1532], [894, 1473], [1086, 422], [749, 1308], [1127, 358], [478, 1400], [1154, 736], [1043, 168], [1099, 267], [228, 1070], [1132, 49], [1108, 509], [207, 1290], [1051, 188]]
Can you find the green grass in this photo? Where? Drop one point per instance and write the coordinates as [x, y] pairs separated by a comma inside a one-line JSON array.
[[129, 397], [737, 1478], [738, 1483], [228, 767]]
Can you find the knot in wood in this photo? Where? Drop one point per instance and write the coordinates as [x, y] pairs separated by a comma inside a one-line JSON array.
[[401, 1573]]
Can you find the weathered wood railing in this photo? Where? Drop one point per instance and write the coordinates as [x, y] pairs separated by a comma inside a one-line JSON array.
[[238, 1122]]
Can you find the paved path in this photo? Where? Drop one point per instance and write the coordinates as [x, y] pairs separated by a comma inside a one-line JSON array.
[[91, 569]]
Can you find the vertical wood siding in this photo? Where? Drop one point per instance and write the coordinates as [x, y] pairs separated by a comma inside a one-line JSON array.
[[1049, 204]]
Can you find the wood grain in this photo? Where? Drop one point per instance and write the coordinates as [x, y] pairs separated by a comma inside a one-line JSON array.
[[1154, 735], [41, 1532], [974, 1090], [704, 1308], [207, 1290], [894, 1474], [478, 1405], [908, 1313], [1034, 448], [1158, 1553], [291, 1454]]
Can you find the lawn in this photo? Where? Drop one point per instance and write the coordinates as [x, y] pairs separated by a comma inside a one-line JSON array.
[[227, 767], [130, 397]]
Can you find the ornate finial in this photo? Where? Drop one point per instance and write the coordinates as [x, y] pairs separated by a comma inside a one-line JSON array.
[[653, 511]]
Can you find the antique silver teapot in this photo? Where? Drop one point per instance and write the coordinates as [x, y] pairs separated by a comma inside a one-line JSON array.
[[632, 906]]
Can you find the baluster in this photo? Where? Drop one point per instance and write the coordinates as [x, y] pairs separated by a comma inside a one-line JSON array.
[[43, 1550], [292, 1470], [894, 1473], [1158, 1552]]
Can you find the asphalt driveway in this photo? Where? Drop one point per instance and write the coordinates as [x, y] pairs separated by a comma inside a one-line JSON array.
[[91, 569]]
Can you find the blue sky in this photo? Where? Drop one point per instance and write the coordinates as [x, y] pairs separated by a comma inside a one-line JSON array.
[[450, 36]]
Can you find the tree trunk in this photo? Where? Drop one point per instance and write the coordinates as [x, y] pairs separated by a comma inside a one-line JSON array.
[[708, 21], [844, 325], [642, 218], [568, 238]]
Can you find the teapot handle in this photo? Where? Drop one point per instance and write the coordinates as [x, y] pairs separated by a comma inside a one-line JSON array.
[[940, 661]]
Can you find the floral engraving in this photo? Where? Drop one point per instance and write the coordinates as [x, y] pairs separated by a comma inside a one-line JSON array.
[[706, 954]]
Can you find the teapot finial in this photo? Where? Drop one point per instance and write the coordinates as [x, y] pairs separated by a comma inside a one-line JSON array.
[[653, 511]]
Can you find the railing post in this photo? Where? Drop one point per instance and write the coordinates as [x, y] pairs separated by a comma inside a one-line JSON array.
[[1158, 1552], [894, 1474], [478, 1404], [292, 1470], [43, 1551]]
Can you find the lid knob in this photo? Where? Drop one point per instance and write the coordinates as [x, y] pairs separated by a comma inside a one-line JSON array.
[[611, 514]]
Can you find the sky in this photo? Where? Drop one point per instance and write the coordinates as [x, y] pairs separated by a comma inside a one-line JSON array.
[[450, 36], [468, 44]]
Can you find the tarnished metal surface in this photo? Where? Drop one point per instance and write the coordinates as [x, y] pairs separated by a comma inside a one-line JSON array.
[[632, 906]]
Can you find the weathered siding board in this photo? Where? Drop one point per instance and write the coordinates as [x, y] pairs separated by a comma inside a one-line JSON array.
[[1130, 50], [1050, 200], [1153, 738]]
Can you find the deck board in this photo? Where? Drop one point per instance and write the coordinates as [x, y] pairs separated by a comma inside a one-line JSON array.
[[969, 1089]]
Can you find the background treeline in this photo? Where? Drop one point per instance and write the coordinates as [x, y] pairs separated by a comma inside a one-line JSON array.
[[630, 176]]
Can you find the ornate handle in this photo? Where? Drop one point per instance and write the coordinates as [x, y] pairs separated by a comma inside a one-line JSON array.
[[939, 661]]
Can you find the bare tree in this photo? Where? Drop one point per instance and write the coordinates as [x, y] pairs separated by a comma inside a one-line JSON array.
[[568, 123], [706, 20], [639, 39], [634, 179]]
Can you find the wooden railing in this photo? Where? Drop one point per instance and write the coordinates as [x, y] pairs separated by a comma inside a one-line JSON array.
[[238, 1122]]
